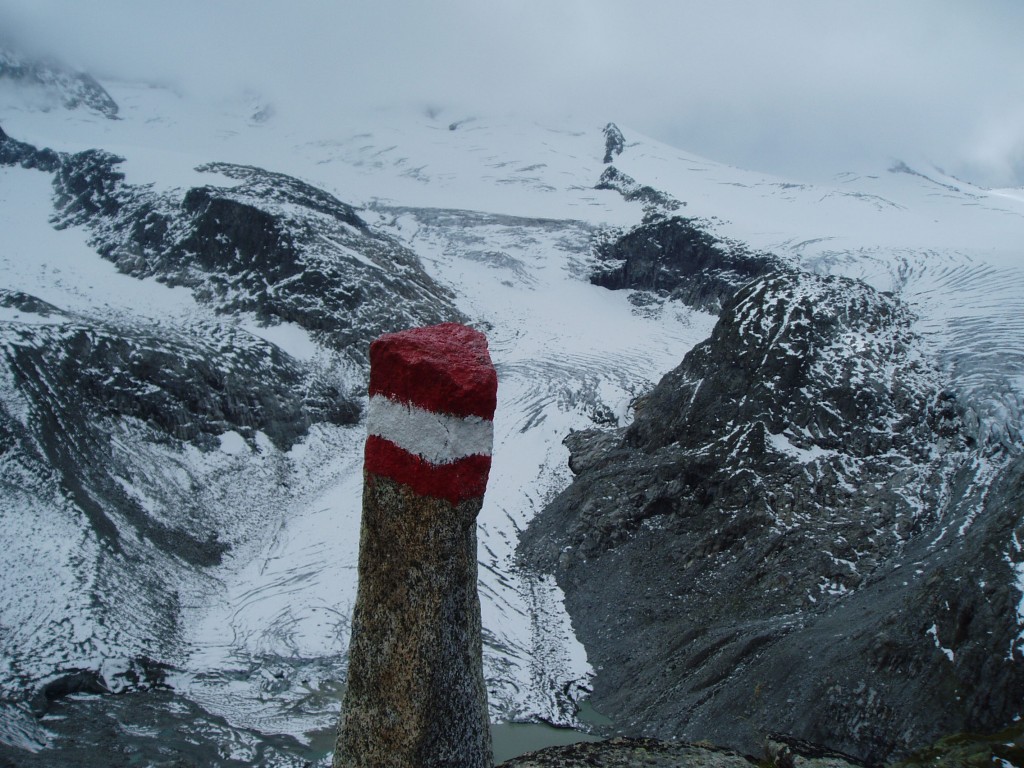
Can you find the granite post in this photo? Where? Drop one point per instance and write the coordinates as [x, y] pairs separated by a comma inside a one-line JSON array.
[[416, 696]]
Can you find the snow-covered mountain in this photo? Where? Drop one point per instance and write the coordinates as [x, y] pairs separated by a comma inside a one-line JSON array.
[[188, 295]]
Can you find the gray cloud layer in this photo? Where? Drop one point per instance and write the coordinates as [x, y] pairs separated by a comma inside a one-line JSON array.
[[799, 87]]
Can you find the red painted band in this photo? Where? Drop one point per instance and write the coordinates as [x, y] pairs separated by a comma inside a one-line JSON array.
[[454, 482], [444, 369]]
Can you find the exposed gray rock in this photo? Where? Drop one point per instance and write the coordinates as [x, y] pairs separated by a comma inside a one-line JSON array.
[[614, 142], [679, 258], [271, 245], [13, 152], [796, 534], [157, 728], [61, 84], [83, 392], [627, 753], [655, 203], [786, 752], [632, 753]]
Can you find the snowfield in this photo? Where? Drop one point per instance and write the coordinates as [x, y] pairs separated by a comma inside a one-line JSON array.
[[504, 213]]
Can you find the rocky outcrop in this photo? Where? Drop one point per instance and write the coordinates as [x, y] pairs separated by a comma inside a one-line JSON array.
[[627, 752], [655, 203], [679, 258], [795, 535], [268, 244], [614, 142], [158, 728], [57, 83], [632, 752], [116, 444], [14, 152]]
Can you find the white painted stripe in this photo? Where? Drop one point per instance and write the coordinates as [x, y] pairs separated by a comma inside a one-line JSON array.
[[436, 437]]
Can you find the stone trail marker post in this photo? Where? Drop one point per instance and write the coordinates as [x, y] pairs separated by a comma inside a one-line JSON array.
[[416, 696]]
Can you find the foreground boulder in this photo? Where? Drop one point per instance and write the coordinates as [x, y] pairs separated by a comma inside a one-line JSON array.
[[628, 752]]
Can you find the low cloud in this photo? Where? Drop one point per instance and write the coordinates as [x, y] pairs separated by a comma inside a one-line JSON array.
[[797, 87]]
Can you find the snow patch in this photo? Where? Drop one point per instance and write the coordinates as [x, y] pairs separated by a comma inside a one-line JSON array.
[[233, 444], [782, 444], [934, 632]]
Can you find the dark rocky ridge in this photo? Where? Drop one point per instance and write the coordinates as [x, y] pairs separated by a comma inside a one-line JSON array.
[[156, 728], [779, 752], [788, 501], [655, 203], [627, 753], [679, 258], [14, 152], [270, 244], [614, 142]]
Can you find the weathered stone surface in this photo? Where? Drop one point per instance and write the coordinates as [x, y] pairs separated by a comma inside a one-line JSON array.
[[630, 752], [416, 695], [415, 681], [971, 750], [680, 259], [624, 752]]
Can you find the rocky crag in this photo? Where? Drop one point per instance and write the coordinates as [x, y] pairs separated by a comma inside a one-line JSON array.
[[678, 258], [798, 532], [263, 243]]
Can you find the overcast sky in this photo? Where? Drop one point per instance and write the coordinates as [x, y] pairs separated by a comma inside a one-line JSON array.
[[799, 87]]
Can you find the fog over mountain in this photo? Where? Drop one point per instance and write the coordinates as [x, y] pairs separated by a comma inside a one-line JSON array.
[[797, 88]]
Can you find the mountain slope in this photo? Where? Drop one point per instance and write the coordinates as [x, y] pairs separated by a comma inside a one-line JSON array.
[[215, 239], [789, 497]]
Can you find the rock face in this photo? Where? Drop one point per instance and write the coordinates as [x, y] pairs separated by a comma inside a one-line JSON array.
[[679, 258], [655, 202], [268, 244], [163, 728], [18, 153], [614, 142], [626, 753], [793, 536], [629, 752]]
